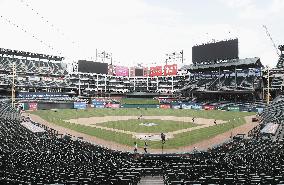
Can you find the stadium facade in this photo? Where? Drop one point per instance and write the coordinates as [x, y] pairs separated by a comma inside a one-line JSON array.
[[211, 76]]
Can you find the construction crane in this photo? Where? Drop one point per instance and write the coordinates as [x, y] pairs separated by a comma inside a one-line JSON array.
[[273, 43]]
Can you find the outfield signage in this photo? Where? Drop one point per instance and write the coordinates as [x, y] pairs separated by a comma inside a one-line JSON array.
[[233, 108], [186, 106], [80, 105], [32, 106], [165, 106], [121, 71], [112, 105], [196, 107], [99, 106], [139, 106], [245, 109], [176, 106], [208, 107], [98, 103], [40, 95]]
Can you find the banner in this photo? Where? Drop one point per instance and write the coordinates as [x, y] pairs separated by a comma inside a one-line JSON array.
[[233, 109], [196, 107], [186, 106], [98, 103], [99, 106], [170, 69], [141, 106], [34, 78], [156, 71], [176, 106], [131, 71], [121, 71], [58, 79], [145, 71], [40, 95], [165, 106], [110, 69], [208, 107], [112, 105], [47, 79], [32, 106], [80, 105]]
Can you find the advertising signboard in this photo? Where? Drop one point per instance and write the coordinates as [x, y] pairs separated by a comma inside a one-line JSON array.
[[32, 106], [80, 105], [165, 106]]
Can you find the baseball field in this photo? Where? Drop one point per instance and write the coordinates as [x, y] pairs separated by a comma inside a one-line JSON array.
[[183, 127]]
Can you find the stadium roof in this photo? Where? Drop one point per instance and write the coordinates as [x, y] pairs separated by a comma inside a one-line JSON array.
[[29, 54], [248, 62]]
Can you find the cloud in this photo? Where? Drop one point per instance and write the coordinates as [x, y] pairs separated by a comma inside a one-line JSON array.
[[133, 30], [252, 10], [237, 3]]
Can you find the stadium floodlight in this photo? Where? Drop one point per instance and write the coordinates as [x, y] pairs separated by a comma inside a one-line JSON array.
[[13, 84]]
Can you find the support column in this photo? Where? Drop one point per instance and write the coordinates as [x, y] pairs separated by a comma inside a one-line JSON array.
[[235, 78], [134, 88], [79, 92], [219, 78], [105, 82], [172, 83], [268, 93]]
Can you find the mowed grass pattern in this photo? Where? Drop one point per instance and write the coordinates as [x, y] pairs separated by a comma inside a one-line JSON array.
[[66, 114], [179, 140], [134, 125]]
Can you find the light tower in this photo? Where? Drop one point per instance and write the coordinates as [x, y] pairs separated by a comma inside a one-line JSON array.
[[13, 84]]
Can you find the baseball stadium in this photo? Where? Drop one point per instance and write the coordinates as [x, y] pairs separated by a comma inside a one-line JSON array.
[[216, 119]]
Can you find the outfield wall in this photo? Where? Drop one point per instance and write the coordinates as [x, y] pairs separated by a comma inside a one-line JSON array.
[[46, 105], [140, 106], [103, 104]]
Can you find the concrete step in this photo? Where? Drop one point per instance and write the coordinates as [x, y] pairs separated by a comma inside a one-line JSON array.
[[148, 180]]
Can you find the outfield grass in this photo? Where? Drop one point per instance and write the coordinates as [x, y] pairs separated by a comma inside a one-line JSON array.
[[139, 101], [179, 140], [66, 114], [134, 125]]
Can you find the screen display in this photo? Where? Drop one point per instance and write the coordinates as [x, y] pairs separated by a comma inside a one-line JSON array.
[[223, 50], [139, 72], [85, 66]]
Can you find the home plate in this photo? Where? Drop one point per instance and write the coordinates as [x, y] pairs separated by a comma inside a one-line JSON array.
[[152, 137]]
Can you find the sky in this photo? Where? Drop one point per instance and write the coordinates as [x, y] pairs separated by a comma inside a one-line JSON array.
[[140, 31]]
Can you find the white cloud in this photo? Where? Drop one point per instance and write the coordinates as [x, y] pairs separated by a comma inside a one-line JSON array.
[[277, 6], [251, 10], [133, 30], [237, 3]]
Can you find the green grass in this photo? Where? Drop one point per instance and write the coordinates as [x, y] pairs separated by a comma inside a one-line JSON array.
[[139, 101], [182, 139], [134, 125], [66, 114], [189, 138]]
